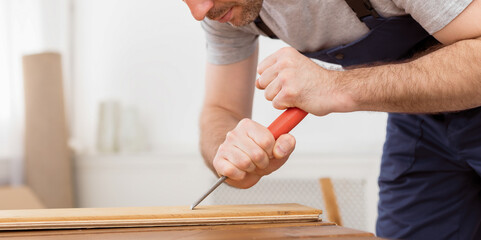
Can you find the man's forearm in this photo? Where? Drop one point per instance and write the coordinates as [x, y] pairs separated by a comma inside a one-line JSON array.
[[215, 122], [448, 79]]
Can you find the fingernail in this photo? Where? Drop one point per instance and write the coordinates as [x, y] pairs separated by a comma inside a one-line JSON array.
[[281, 150]]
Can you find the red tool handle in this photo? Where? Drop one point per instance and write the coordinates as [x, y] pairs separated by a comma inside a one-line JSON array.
[[286, 121]]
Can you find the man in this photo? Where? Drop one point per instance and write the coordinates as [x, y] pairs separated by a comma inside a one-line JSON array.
[[430, 185]]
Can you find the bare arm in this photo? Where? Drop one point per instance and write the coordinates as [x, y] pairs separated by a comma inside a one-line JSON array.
[[232, 144], [448, 79], [228, 99]]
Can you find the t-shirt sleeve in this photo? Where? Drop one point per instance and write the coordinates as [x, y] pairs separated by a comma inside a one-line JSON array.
[[433, 15], [226, 44]]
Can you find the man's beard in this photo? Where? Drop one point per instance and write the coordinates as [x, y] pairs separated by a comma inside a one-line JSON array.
[[250, 11]]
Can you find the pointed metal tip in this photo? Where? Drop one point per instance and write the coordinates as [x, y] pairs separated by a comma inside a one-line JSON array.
[[219, 182]]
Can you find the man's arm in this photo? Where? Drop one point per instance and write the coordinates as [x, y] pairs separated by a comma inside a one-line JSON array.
[[448, 79], [228, 99], [232, 144]]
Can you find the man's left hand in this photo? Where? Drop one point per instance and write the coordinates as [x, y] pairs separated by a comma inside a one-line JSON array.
[[292, 80]]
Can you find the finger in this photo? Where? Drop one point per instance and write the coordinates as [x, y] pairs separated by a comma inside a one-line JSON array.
[[249, 180], [255, 153], [259, 134], [226, 168], [267, 63], [281, 156], [284, 146], [267, 77], [240, 159], [272, 90], [278, 101]]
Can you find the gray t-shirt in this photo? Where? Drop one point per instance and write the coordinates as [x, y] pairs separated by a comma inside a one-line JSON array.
[[311, 25]]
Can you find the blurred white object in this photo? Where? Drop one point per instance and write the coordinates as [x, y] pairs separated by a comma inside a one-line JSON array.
[[108, 127], [132, 137]]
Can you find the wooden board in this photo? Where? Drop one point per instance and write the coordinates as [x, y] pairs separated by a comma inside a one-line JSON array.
[[48, 159], [307, 230], [155, 216]]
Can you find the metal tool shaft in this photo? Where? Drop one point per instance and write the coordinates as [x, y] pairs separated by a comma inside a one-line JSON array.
[[217, 184]]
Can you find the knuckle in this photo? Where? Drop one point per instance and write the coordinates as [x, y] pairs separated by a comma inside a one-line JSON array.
[[286, 49], [230, 136], [244, 164], [289, 93], [281, 64], [257, 156], [265, 142], [244, 122], [216, 165], [268, 95], [277, 104], [222, 148]]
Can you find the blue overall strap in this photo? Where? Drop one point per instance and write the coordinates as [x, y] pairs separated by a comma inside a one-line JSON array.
[[264, 28], [389, 39], [362, 8]]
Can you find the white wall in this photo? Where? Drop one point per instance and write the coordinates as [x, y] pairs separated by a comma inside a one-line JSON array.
[[151, 54]]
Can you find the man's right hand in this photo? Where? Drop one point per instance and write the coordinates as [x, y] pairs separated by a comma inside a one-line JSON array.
[[250, 152]]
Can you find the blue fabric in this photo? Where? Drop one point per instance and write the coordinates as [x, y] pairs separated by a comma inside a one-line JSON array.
[[379, 45], [430, 185]]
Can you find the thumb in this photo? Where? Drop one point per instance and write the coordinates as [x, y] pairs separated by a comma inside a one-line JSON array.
[[284, 146]]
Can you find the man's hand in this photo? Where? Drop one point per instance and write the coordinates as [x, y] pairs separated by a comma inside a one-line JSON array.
[[292, 80], [250, 152]]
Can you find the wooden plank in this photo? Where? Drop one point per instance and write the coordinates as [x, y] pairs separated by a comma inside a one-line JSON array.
[[155, 216], [48, 160], [330, 201], [312, 230]]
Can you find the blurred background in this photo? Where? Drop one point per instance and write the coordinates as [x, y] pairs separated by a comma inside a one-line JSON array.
[[131, 84]]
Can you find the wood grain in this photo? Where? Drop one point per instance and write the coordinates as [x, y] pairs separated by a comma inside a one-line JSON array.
[[154, 216]]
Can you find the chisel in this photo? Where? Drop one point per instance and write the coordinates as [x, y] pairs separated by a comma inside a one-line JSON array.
[[282, 125]]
